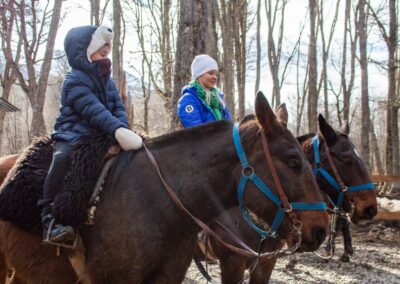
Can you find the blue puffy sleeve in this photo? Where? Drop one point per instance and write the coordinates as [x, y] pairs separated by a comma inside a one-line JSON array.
[[119, 109], [226, 110], [87, 105], [188, 111]]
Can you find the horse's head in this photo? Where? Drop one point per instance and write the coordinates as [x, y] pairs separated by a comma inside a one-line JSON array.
[[351, 173], [293, 173]]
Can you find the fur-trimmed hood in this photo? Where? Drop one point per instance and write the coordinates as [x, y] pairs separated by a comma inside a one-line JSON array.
[[76, 43]]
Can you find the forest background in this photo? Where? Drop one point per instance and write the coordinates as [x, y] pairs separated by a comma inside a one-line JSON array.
[[339, 58]]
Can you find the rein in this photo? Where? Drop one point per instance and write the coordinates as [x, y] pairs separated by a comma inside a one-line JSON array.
[[336, 182], [244, 251]]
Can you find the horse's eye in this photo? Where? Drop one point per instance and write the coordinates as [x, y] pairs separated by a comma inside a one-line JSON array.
[[293, 164], [346, 160]]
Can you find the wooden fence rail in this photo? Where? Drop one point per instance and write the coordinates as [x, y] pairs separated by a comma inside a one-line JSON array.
[[385, 178], [382, 214]]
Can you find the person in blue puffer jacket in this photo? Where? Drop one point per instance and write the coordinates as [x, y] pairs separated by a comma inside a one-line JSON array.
[[201, 101], [90, 105]]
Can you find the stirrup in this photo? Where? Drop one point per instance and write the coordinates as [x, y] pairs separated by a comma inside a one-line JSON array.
[[68, 245]]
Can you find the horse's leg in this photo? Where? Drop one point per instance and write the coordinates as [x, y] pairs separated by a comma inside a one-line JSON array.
[[232, 269], [15, 279], [262, 272], [172, 269], [348, 247], [3, 269], [330, 245]]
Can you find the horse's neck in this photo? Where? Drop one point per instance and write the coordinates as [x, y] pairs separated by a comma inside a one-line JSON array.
[[323, 184], [201, 174]]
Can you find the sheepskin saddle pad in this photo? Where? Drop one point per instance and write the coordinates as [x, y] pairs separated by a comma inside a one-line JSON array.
[[23, 186]]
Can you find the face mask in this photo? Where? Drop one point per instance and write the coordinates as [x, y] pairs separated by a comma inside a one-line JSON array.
[[104, 67]]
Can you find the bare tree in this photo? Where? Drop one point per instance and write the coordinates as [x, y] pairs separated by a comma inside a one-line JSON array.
[[312, 102], [362, 35], [225, 21], [35, 33], [118, 47], [347, 88], [275, 48], [8, 76], [392, 134], [239, 33], [326, 44], [97, 11], [301, 89], [258, 40], [155, 47]]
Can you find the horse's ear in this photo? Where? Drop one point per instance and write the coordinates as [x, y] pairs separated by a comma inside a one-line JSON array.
[[345, 127], [282, 113], [326, 130], [264, 113]]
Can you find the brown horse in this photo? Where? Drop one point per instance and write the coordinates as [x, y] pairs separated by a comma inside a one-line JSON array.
[[351, 170], [141, 236], [6, 163]]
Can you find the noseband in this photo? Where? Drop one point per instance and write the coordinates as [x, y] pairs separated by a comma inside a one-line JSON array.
[[336, 182], [280, 200]]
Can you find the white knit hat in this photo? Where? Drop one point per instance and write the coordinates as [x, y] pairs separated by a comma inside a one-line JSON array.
[[202, 64], [101, 36]]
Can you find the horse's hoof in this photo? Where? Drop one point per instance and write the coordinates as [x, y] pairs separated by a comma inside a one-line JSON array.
[[350, 251], [344, 258], [292, 263]]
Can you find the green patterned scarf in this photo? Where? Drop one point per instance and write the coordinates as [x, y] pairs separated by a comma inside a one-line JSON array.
[[214, 103]]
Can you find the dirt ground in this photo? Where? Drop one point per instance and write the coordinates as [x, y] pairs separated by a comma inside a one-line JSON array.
[[376, 260]]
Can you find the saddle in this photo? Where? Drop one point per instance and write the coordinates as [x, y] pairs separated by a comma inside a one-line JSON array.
[[23, 186]]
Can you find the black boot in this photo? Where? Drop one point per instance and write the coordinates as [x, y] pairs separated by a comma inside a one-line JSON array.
[[55, 233]]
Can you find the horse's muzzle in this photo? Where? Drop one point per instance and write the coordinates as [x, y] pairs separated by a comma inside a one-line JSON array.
[[369, 212]]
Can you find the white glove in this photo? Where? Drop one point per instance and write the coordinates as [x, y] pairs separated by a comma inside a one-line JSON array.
[[127, 139]]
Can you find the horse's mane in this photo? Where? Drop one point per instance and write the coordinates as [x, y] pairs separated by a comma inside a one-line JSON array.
[[187, 135], [304, 137]]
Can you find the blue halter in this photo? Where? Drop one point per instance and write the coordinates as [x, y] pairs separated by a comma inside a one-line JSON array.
[[251, 176], [318, 169]]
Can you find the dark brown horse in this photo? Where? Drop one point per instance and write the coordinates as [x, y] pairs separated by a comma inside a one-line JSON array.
[[351, 170], [141, 236]]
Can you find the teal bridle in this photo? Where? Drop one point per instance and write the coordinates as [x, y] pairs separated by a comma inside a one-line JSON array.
[[337, 183], [281, 201]]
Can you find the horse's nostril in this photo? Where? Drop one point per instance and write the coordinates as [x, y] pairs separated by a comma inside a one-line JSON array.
[[319, 235], [370, 212]]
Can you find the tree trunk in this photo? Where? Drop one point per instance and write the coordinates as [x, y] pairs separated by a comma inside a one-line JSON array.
[[346, 95], [117, 51], [326, 44], [240, 30], [194, 37], [258, 42], [312, 71], [11, 57], [165, 47], [95, 12], [392, 138], [38, 127], [225, 21], [375, 150], [274, 52], [361, 28]]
